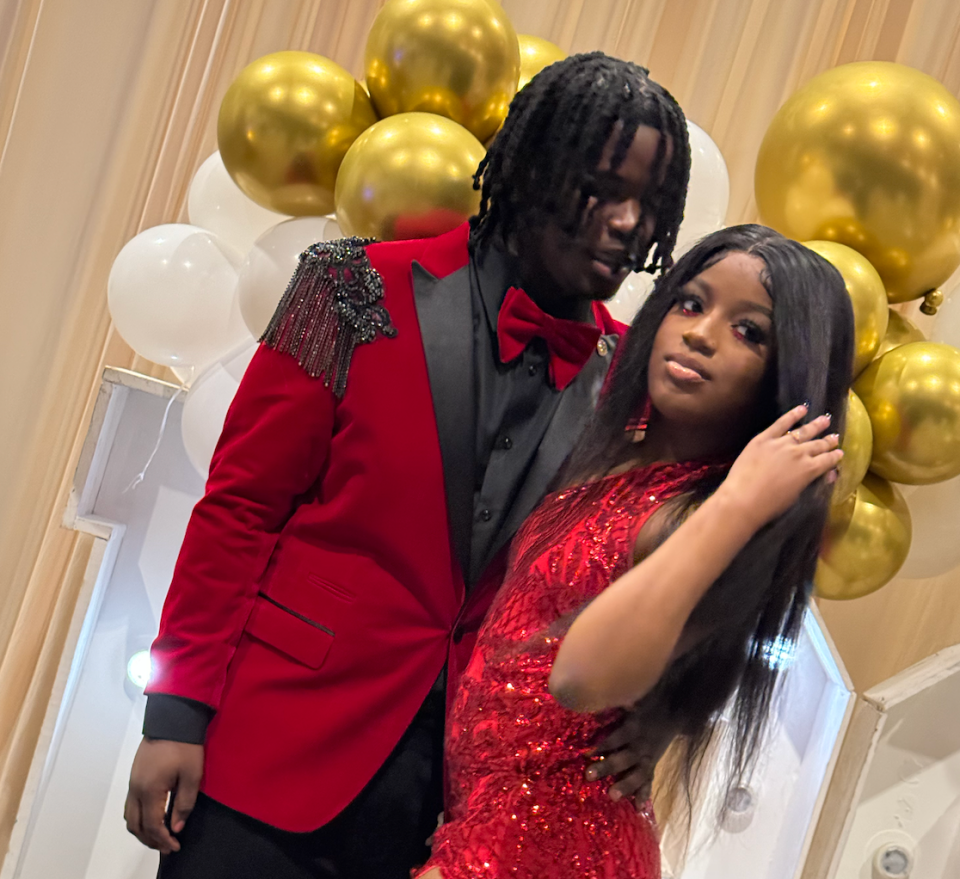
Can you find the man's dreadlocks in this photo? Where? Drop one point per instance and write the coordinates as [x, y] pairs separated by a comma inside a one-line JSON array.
[[542, 162]]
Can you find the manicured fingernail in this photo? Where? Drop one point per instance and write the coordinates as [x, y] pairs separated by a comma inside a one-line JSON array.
[[828, 416], [591, 774], [832, 477], [615, 795]]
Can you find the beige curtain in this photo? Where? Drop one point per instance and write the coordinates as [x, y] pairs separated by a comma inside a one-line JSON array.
[[107, 107]]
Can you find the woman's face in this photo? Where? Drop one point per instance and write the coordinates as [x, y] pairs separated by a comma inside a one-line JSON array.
[[711, 353]]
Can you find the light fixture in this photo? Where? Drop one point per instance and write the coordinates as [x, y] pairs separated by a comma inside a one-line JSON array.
[[741, 805], [892, 861], [138, 668]]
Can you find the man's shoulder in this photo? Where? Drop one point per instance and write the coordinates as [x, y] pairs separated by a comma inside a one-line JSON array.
[[439, 255]]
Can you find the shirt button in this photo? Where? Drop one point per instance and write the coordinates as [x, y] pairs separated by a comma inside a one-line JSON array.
[[506, 443], [485, 515], [531, 369]]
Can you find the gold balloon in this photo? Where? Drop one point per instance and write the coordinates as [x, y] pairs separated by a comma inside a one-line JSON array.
[[869, 299], [457, 58], [912, 394], [866, 541], [535, 54], [285, 124], [900, 331], [868, 155], [857, 448], [408, 176]]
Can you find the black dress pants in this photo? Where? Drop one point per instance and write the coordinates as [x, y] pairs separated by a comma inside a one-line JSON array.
[[380, 835]]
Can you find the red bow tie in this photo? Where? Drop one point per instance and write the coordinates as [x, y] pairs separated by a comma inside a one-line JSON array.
[[569, 342]]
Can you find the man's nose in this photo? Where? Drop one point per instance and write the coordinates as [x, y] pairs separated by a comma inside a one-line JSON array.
[[624, 216]]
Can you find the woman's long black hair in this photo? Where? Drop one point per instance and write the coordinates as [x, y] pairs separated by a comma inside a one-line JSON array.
[[756, 607], [541, 164]]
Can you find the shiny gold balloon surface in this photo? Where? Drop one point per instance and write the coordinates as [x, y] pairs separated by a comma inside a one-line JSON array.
[[285, 124], [900, 331], [857, 448], [535, 54], [408, 176], [912, 394], [866, 541], [868, 155], [457, 58], [869, 299]]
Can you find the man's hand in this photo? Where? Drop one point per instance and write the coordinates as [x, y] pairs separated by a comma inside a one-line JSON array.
[[631, 752], [162, 769]]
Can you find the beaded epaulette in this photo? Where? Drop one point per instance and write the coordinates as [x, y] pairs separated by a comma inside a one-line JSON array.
[[331, 305]]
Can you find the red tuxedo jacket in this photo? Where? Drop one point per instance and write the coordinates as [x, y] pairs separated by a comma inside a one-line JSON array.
[[317, 596]]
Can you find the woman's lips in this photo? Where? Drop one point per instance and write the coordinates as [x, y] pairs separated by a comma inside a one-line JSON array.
[[685, 371]]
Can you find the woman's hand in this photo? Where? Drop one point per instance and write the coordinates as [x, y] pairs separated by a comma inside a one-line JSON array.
[[631, 752], [778, 464]]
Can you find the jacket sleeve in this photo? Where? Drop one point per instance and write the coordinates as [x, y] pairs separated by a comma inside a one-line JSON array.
[[273, 447], [176, 719]]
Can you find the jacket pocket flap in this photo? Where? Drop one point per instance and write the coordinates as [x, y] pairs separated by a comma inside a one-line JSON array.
[[293, 635]]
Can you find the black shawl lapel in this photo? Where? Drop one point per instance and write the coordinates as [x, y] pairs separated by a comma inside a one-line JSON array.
[[445, 314]]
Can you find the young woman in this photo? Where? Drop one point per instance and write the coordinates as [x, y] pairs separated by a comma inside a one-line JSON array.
[[681, 546]]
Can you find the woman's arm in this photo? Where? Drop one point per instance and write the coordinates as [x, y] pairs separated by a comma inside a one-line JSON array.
[[620, 645]]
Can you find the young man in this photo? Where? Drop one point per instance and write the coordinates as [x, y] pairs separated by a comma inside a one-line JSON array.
[[408, 408]]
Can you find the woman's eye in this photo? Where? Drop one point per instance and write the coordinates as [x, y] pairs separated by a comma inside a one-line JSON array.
[[751, 333], [690, 305]]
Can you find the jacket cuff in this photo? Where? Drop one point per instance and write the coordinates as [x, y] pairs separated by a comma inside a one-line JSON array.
[[176, 719]]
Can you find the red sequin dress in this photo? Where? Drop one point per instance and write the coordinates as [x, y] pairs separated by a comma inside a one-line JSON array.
[[519, 805]]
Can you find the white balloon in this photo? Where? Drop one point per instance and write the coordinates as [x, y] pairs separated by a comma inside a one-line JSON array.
[[206, 404], [709, 191], [934, 512], [216, 203], [172, 295], [632, 294], [270, 264]]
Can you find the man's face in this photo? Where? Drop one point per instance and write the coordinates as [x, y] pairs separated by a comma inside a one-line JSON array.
[[617, 224]]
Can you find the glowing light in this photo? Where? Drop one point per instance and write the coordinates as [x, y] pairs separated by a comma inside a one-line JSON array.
[[139, 668]]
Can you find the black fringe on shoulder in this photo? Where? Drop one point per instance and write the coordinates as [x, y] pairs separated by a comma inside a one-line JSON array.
[[331, 305]]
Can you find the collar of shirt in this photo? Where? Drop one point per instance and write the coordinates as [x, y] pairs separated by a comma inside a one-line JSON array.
[[496, 272]]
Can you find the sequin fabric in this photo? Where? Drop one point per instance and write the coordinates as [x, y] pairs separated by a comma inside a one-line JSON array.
[[519, 805], [331, 305]]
